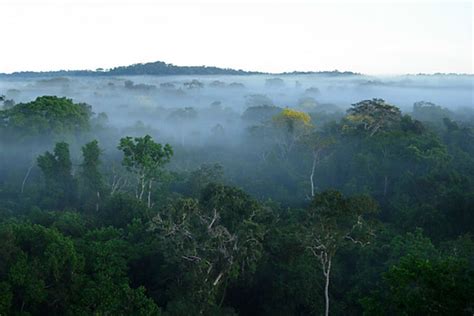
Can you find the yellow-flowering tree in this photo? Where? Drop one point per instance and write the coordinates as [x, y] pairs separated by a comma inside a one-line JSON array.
[[290, 126]]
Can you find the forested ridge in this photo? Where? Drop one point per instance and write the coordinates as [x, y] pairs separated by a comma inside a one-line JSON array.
[[160, 68], [365, 212]]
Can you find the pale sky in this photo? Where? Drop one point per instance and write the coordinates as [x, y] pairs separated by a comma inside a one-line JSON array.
[[373, 37]]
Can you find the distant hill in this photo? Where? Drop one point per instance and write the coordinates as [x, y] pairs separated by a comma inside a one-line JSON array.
[[160, 68], [157, 68]]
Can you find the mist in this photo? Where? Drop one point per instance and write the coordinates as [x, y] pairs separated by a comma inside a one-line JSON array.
[[155, 102]]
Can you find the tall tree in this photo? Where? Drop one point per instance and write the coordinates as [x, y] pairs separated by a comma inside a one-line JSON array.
[[57, 170], [332, 222], [91, 180], [373, 115], [290, 126], [145, 158], [318, 144], [216, 238]]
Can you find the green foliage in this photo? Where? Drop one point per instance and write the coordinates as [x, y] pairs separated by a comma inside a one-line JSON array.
[[333, 221], [214, 240], [420, 286], [143, 155], [120, 209], [260, 113], [47, 116], [57, 171], [91, 181], [105, 287], [372, 116], [201, 177], [145, 158], [430, 112], [38, 268]]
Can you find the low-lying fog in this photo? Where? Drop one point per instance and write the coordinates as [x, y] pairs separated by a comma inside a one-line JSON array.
[[212, 119], [192, 108]]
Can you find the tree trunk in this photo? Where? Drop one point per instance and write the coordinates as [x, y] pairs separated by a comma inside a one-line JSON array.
[[327, 274], [216, 281], [142, 187], [98, 201], [26, 177], [149, 194], [312, 175]]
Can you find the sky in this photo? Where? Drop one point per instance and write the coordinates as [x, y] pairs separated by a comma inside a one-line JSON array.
[[372, 37]]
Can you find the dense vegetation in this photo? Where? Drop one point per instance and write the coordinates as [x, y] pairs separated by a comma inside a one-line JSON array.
[[366, 212]]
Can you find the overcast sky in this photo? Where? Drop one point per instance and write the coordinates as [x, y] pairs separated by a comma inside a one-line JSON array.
[[373, 37]]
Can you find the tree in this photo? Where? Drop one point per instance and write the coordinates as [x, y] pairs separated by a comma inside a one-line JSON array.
[[183, 117], [104, 287], [260, 114], [7, 103], [45, 117], [92, 183], [307, 104], [37, 269], [144, 158], [258, 100], [57, 171], [420, 279], [333, 222], [217, 238], [373, 115], [194, 84], [274, 83], [318, 145], [203, 176], [289, 127], [430, 112]]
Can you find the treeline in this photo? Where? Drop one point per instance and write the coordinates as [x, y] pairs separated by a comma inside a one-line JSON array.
[[370, 213], [158, 68]]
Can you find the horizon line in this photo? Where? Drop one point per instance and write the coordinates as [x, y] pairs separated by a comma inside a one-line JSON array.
[[245, 72]]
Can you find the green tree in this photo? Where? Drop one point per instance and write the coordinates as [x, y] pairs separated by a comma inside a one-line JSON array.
[[373, 116], [319, 145], [332, 222], [104, 287], [37, 270], [183, 117], [430, 112], [421, 280], [260, 113], [145, 158], [57, 171], [203, 176], [91, 180], [214, 240], [46, 117]]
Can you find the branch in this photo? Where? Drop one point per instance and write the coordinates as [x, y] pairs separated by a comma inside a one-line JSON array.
[[213, 219]]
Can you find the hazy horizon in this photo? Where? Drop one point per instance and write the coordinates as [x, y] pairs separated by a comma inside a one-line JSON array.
[[246, 70]]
